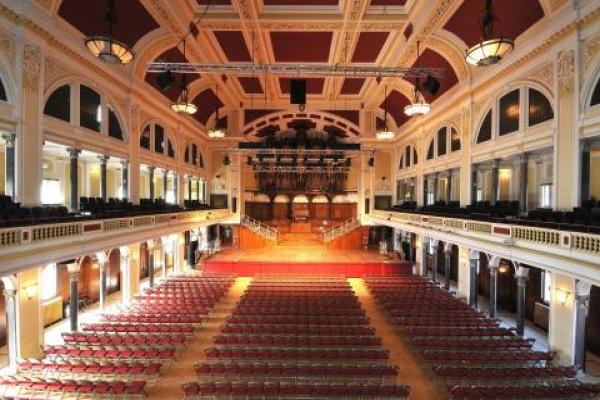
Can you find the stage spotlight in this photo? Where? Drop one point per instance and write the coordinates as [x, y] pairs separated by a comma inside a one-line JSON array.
[[432, 85], [165, 80]]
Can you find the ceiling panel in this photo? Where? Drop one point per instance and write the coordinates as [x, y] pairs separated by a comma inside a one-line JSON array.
[[88, 17], [214, 2], [388, 2], [515, 17], [301, 46], [350, 115], [395, 104], [233, 45], [430, 58], [251, 84], [313, 85], [254, 114], [301, 2], [171, 55], [206, 102], [352, 86], [369, 46]]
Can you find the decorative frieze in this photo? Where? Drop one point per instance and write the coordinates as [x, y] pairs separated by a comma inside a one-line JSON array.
[[32, 65], [566, 70], [590, 51]]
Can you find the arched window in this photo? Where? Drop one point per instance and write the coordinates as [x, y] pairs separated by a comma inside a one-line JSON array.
[[2, 91], [58, 104], [114, 126], [409, 157], [596, 95], [454, 140], [154, 137], [509, 112], [145, 138], [401, 166], [485, 130], [415, 158], [442, 142], [431, 150], [540, 109], [90, 109], [192, 155]]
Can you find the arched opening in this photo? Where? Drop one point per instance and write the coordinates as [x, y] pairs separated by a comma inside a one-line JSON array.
[[592, 334], [485, 130], [3, 96], [58, 104], [144, 261]]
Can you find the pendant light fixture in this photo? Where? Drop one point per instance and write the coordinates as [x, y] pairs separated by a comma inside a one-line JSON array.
[[491, 49], [106, 47], [183, 105], [419, 106], [385, 134], [219, 129]]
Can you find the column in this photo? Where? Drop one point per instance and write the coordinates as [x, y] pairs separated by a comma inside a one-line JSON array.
[[522, 278], [189, 187], [9, 164], [125, 178], [151, 183], [473, 271], [125, 277], [74, 298], [523, 182], [493, 289], [447, 260], [10, 303], [495, 181], [102, 289], [198, 189], [474, 184], [436, 187], [103, 161], [584, 174], [151, 266], [165, 183], [165, 256], [175, 189], [434, 259], [189, 250], [582, 307], [74, 175]]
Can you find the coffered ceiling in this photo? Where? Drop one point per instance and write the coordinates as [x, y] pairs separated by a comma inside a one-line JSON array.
[[347, 32]]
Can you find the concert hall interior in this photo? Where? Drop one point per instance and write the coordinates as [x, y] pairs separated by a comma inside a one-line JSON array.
[[300, 199]]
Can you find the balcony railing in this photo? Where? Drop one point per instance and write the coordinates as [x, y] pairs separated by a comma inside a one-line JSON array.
[[261, 229], [340, 230]]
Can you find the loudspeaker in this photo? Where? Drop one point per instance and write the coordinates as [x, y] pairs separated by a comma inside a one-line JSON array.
[[165, 80], [297, 91], [432, 85]]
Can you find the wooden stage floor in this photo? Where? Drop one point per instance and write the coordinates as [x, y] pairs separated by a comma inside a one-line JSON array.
[[300, 253]]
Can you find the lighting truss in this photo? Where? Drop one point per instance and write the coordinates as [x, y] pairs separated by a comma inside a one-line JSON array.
[[300, 169], [294, 70]]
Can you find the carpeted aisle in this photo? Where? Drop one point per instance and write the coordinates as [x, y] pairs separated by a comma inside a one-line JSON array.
[[411, 372], [168, 385]]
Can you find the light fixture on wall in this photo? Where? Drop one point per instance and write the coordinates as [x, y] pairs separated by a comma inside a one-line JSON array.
[[30, 291], [106, 47], [418, 106], [503, 268], [491, 49], [183, 105], [563, 296], [385, 134]]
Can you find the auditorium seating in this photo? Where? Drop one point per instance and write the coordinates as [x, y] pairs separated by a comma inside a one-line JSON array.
[[472, 354], [115, 358], [296, 338]]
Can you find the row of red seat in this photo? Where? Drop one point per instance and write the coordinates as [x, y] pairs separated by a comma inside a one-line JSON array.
[[138, 328], [300, 311], [293, 390], [305, 329], [106, 368], [299, 371], [294, 353], [109, 352], [503, 373], [152, 319], [514, 357], [297, 320], [18, 386], [532, 391], [297, 340], [123, 340], [472, 344], [418, 331]]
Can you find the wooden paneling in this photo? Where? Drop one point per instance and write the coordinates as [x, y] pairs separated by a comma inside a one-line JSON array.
[[351, 241], [280, 211], [250, 240], [318, 211]]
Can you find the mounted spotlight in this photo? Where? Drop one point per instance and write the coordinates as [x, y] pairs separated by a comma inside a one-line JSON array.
[[165, 80], [106, 47], [491, 49], [432, 85]]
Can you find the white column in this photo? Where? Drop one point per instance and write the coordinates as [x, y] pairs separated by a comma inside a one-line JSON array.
[[10, 304], [125, 276], [561, 333]]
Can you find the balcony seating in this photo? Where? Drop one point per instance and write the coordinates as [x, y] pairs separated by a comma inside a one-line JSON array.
[[12, 214]]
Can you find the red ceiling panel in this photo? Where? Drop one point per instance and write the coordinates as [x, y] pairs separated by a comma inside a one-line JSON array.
[[395, 104], [369, 46], [88, 17], [214, 2], [352, 85], [251, 85], [301, 46], [430, 58], [350, 115], [313, 85], [515, 17], [233, 45], [388, 2], [301, 2], [171, 55], [334, 130], [254, 114], [206, 102]]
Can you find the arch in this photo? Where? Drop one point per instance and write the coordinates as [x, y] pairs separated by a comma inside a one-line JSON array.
[[484, 131], [7, 79], [149, 47], [595, 93], [323, 121], [281, 198], [58, 104], [10, 282], [408, 157], [300, 199], [321, 199], [158, 138], [443, 141], [193, 155]]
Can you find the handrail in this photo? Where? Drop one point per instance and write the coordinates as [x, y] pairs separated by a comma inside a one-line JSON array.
[[337, 231], [261, 229]]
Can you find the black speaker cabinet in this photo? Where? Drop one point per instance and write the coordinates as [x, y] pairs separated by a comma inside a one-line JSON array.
[[297, 91]]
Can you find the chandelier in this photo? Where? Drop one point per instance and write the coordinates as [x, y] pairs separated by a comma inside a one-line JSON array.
[[491, 49], [106, 47], [385, 134], [183, 105], [419, 106], [218, 131]]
